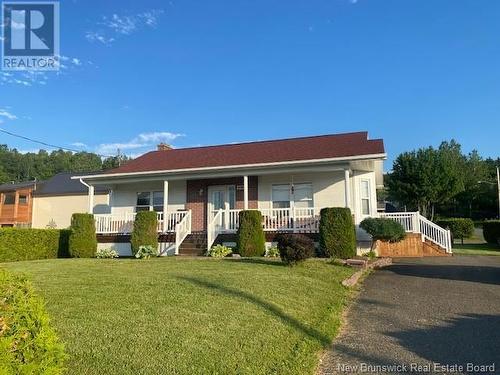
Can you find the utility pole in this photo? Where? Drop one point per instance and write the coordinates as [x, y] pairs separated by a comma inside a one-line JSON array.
[[498, 186]]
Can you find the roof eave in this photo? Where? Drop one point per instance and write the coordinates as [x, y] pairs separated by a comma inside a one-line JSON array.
[[379, 156]]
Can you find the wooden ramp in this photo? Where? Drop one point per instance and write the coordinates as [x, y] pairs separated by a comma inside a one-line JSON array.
[[411, 246]]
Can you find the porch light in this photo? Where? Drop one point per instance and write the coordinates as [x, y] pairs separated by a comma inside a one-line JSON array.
[[200, 192]]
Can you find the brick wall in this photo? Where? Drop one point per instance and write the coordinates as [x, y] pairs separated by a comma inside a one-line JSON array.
[[197, 202]]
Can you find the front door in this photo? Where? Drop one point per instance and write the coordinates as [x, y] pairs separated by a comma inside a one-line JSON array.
[[221, 197]]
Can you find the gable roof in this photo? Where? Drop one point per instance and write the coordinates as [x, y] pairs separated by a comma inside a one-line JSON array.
[[242, 154], [63, 184]]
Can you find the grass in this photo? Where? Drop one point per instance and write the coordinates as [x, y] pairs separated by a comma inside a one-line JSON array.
[[476, 249], [190, 316]]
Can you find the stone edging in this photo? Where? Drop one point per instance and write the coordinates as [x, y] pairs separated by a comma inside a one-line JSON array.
[[379, 263]]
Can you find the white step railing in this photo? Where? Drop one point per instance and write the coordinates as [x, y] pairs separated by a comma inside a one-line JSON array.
[[214, 228], [416, 223], [124, 223], [182, 230]]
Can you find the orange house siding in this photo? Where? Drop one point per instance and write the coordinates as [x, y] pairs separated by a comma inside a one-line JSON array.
[[17, 213]]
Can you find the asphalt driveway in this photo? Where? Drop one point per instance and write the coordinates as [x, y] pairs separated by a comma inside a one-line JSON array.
[[426, 315]]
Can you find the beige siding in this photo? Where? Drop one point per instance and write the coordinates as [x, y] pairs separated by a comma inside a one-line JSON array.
[[328, 188], [60, 208], [124, 197]]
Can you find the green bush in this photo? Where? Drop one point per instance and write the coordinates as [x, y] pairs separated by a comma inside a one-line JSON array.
[[337, 234], [82, 240], [294, 248], [272, 252], [383, 229], [460, 227], [219, 251], [251, 240], [146, 252], [31, 244], [145, 232], [491, 231], [28, 344], [106, 254]]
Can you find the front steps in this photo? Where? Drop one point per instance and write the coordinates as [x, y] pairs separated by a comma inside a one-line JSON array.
[[195, 244]]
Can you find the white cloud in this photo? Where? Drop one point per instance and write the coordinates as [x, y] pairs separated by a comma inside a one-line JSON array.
[[79, 144], [76, 61], [95, 36], [116, 25], [142, 141], [6, 114]]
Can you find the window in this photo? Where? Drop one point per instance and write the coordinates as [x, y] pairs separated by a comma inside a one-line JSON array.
[[231, 191], [281, 196], [9, 198], [149, 201], [23, 199], [143, 200], [365, 197], [303, 195], [158, 201], [300, 194]]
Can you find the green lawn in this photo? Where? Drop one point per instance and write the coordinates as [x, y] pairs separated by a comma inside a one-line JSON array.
[[190, 316], [476, 249]]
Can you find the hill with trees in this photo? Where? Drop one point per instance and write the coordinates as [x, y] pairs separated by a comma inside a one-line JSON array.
[[18, 167]]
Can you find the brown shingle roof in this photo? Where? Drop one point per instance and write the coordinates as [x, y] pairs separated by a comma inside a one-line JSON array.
[[283, 150]]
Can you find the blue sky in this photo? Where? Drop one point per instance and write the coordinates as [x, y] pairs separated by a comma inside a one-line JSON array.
[[412, 72]]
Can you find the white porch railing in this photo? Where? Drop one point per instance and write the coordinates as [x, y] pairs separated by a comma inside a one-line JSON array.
[[274, 219], [182, 230], [215, 226], [124, 223], [416, 223]]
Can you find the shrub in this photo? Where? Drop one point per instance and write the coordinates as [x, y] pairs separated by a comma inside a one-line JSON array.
[[337, 235], [30, 244], [272, 252], [106, 254], [82, 240], [460, 227], [146, 252], [219, 251], [491, 231], [28, 344], [145, 232], [295, 248], [251, 239], [383, 229]]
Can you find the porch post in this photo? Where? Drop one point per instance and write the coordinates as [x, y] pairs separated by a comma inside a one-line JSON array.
[[245, 192], [347, 187], [91, 199], [165, 206]]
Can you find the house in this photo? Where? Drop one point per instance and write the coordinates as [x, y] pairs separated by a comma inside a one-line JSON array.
[[198, 192], [16, 204], [57, 198]]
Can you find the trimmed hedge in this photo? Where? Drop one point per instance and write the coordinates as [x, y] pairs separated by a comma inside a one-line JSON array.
[[28, 344], [82, 240], [383, 229], [251, 240], [460, 227], [337, 234], [145, 232], [491, 232], [294, 248], [31, 244]]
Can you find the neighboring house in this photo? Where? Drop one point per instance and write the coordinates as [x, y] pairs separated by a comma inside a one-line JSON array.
[[16, 204], [57, 198], [198, 192]]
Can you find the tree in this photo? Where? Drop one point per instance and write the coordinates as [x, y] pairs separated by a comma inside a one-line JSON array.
[[424, 178]]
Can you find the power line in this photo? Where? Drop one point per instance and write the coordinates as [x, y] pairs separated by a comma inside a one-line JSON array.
[[48, 144]]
